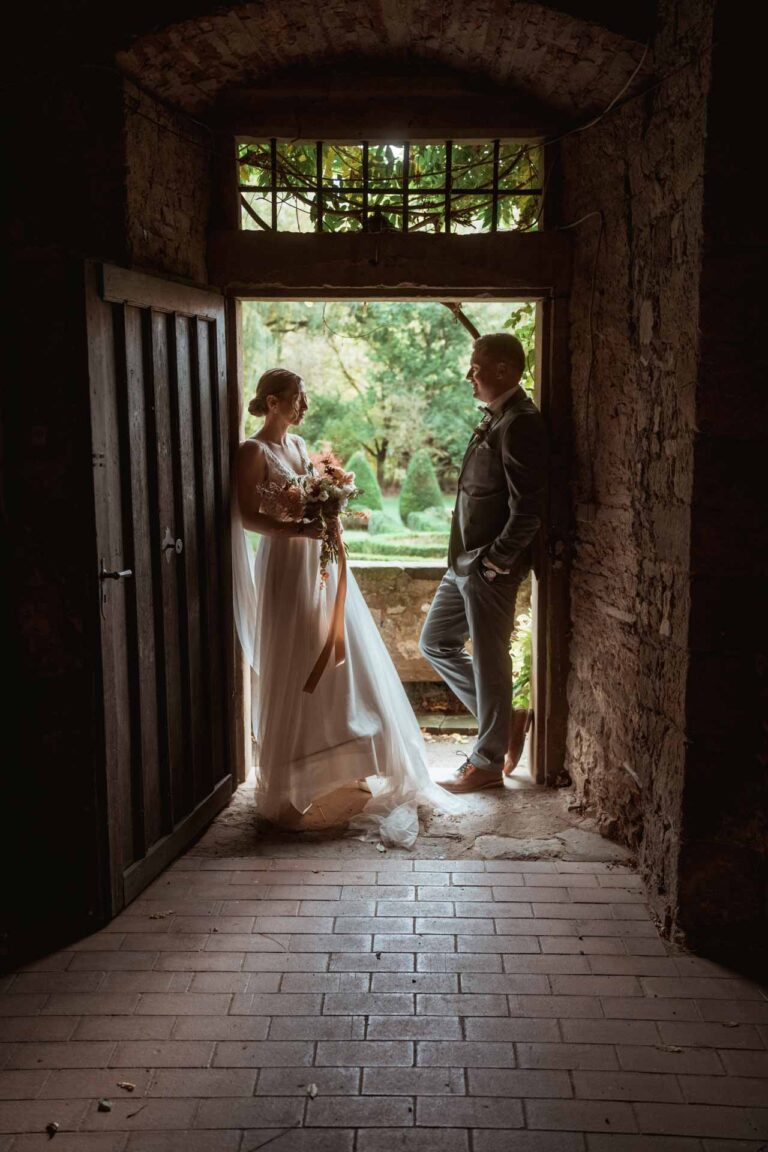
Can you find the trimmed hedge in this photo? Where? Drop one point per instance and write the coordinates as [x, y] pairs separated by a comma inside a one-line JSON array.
[[398, 548], [420, 489], [365, 478], [381, 524], [430, 520]]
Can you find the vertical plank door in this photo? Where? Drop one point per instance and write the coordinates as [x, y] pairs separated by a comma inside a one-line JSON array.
[[161, 443]]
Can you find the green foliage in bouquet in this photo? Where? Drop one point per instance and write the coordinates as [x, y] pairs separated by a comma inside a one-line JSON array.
[[420, 489], [365, 479]]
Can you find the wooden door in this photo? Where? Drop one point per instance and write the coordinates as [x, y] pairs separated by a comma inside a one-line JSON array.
[[160, 427], [551, 601]]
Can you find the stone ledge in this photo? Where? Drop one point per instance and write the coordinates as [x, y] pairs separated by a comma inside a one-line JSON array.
[[418, 569]]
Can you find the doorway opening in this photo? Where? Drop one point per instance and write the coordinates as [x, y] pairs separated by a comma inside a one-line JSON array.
[[388, 396]]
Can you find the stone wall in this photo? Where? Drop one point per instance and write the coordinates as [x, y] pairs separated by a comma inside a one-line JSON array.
[[399, 596], [168, 185], [634, 395]]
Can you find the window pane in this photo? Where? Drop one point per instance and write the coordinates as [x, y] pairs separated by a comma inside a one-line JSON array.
[[518, 212], [343, 212], [255, 165], [472, 166], [519, 166], [343, 165], [385, 212], [471, 212], [426, 212], [385, 165], [260, 215], [295, 213], [296, 165], [427, 166]]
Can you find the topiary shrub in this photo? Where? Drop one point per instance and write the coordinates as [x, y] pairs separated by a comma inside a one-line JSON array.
[[381, 524], [431, 520], [365, 478], [420, 488]]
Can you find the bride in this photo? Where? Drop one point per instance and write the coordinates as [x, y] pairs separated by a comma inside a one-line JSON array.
[[357, 724]]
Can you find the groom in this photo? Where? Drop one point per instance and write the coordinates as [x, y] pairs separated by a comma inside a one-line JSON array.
[[499, 508]]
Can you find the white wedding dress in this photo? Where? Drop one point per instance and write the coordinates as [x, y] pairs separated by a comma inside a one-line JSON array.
[[358, 723]]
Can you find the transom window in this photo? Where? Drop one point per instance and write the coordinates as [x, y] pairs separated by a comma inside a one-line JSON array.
[[325, 186]]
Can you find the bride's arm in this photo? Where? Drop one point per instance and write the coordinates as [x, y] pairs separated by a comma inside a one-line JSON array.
[[250, 472]]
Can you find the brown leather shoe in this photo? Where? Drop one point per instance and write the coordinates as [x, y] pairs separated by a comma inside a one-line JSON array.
[[519, 724], [470, 778]]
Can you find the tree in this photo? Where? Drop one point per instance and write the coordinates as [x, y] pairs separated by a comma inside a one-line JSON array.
[[385, 377], [420, 489]]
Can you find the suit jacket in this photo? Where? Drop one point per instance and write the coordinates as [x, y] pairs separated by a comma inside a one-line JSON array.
[[501, 493]]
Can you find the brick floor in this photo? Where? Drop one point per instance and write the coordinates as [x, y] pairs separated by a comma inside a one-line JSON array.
[[400, 1004]]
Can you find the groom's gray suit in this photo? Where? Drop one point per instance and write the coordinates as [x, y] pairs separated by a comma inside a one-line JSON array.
[[499, 509]]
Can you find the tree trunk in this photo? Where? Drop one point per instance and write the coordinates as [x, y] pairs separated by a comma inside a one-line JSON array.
[[381, 458]]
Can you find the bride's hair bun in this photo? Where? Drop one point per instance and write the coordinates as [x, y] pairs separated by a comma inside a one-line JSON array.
[[273, 382]]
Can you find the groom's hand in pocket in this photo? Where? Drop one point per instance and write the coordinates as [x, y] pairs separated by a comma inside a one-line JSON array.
[[489, 572]]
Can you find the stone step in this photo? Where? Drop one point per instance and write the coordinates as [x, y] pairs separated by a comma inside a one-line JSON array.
[[440, 722]]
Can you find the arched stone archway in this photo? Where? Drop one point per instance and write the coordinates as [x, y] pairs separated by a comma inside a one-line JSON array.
[[129, 104]]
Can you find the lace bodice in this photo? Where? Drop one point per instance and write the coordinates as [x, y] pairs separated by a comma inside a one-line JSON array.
[[276, 463]]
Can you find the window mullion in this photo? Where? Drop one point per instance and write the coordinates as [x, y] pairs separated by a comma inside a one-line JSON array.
[[448, 182], [273, 174], [319, 185]]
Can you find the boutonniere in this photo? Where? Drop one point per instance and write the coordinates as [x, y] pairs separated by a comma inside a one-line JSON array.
[[483, 428]]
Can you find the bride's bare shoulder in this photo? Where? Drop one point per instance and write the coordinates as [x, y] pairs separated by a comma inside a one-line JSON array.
[[250, 457], [250, 447]]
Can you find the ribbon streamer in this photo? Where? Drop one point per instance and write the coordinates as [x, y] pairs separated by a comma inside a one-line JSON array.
[[335, 641]]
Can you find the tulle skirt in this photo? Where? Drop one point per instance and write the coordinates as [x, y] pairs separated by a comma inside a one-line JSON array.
[[357, 724]]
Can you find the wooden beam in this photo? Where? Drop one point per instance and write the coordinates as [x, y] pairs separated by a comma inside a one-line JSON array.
[[356, 118], [121, 286], [262, 263]]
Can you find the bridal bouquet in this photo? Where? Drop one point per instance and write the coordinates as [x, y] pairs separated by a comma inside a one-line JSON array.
[[321, 494], [327, 491]]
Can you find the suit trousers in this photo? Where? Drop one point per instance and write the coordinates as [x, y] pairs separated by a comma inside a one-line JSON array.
[[469, 608]]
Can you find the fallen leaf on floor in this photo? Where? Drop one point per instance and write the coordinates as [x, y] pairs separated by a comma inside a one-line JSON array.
[[312, 1091], [428, 737], [129, 1087], [668, 1048], [161, 915], [380, 848], [731, 1023], [104, 1105], [52, 1129]]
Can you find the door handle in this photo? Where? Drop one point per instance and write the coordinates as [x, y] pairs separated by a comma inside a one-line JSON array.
[[171, 544], [124, 574]]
